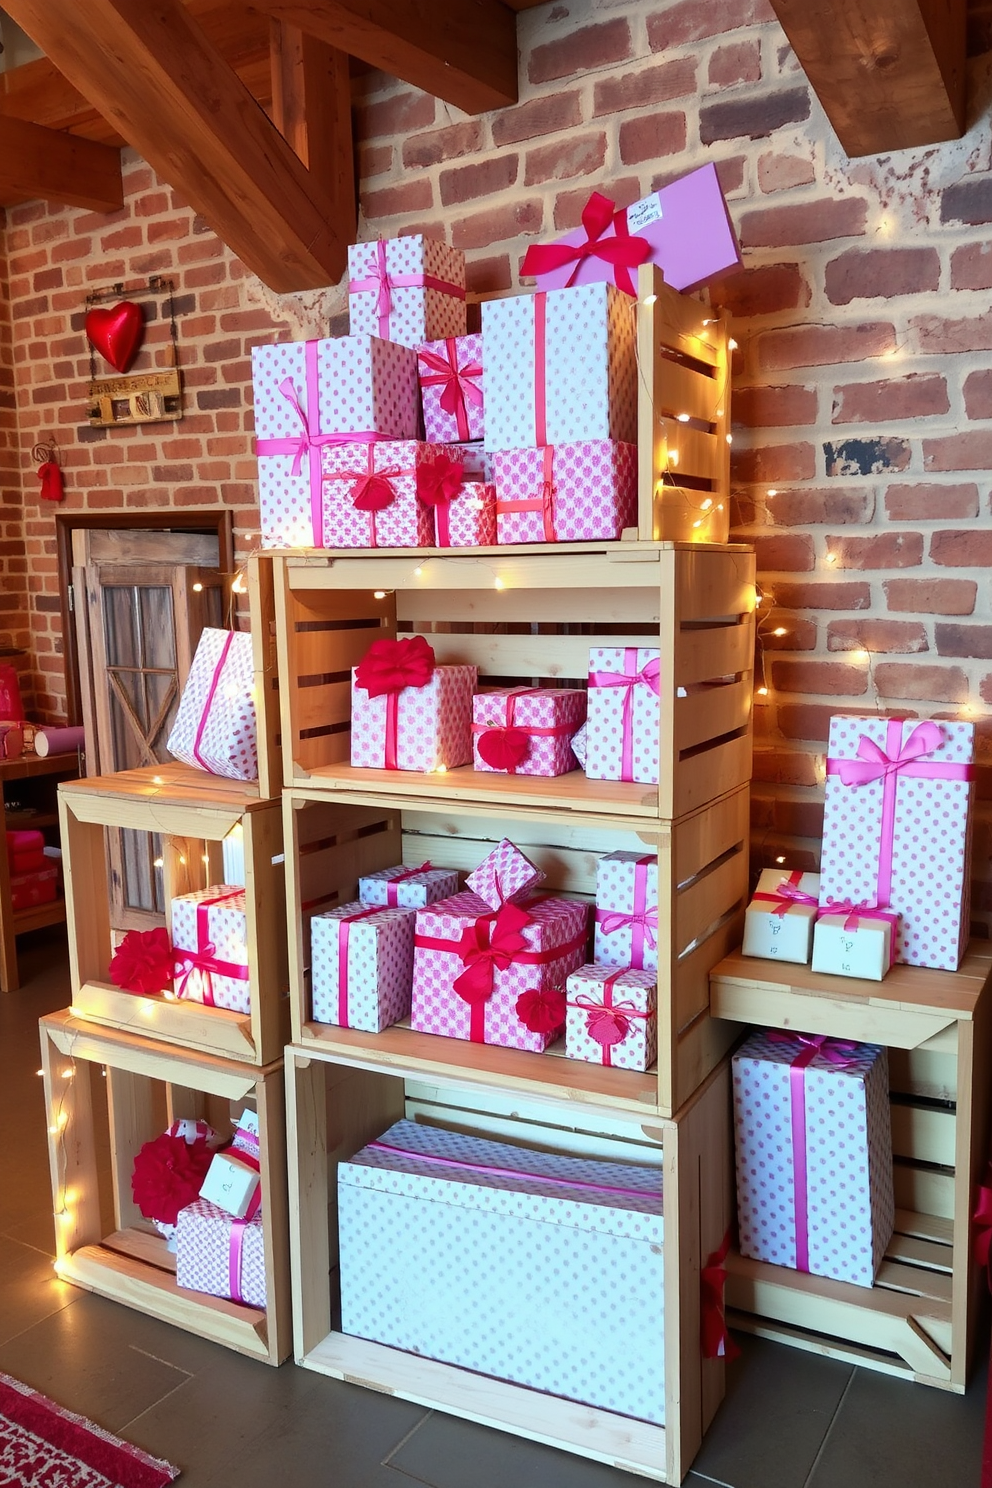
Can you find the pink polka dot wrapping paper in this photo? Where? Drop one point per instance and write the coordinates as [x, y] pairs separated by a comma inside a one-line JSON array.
[[506, 1272], [847, 1146], [451, 369], [415, 890], [610, 717], [405, 523], [577, 492], [378, 966], [434, 723], [505, 876], [225, 928], [627, 910], [215, 728], [469, 519], [929, 883], [541, 708], [410, 314], [634, 995], [203, 1253]]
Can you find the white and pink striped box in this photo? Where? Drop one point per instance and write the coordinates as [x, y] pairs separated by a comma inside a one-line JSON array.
[[215, 728], [582, 492], [538, 721]]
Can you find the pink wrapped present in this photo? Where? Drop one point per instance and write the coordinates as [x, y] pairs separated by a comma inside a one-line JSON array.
[[233, 1180], [627, 910], [494, 976], [505, 876], [579, 742], [408, 290], [623, 741], [361, 965], [565, 492], [464, 510], [408, 713], [684, 228], [408, 888], [612, 1017], [371, 494], [210, 939], [451, 389], [897, 829], [38, 886], [309, 394], [215, 727], [560, 368], [221, 1255], [527, 730]]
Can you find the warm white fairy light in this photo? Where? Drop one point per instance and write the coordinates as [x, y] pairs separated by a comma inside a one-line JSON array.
[[197, 588], [762, 691], [773, 492], [653, 300], [705, 506], [730, 438], [683, 418], [498, 583], [780, 630], [732, 344], [780, 860], [237, 586], [418, 572], [159, 863], [157, 780], [378, 594]]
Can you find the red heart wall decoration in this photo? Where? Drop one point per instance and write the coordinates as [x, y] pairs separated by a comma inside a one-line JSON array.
[[117, 333]]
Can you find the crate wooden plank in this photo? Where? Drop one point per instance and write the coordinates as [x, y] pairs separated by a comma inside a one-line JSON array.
[[686, 392], [720, 651], [923, 1134], [711, 712], [261, 600], [618, 605]]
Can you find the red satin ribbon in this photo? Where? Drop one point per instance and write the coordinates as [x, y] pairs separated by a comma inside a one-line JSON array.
[[714, 1335], [204, 958], [345, 923], [236, 1239], [622, 251], [557, 731], [544, 502], [602, 1017], [382, 283], [458, 384], [392, 896]]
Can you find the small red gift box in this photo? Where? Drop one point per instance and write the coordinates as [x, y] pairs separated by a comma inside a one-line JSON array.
[[371, 494]]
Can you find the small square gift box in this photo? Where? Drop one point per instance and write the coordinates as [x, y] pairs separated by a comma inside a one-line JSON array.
[[494, 976], [612, 1017], [451, 389], [627, 910], [215, 727], [545, 1270], [855, 940], [408, 888], [897, 828], [779, 920], [560, 368], [233, 1180], [407, 713], [371, 494], [210, 941], [814, 1154], [464, 509], [221, 1255], [527, 730], [506, 876], [361, 966], [409, 290], [623, 740], [565, 492], [312, 393]]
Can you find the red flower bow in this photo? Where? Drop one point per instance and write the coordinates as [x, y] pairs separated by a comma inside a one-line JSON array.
[[389, 666], [439, 480], [373, 493], [542, 1012], [144, 962], [490, 943], [504, 748], [168, 1174], [621, 251], [607, 1026]]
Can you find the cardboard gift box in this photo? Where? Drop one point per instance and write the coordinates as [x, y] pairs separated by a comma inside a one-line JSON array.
[[424, 724], [233, 1180], [409, 290], [309, 394], [544, 1270], [215, 728], [527, 730], [897, 829], [612, 1017], [210, 940], [37, 886], [463, 507], [493, 976], [361, 965], [778, 923], [623, 739], [565, 492], [504, 876], [814, 1154], [221, 1255], [627, 910], [539, 390], [855, 941], [451, 389], [371, 494], [408, 888]]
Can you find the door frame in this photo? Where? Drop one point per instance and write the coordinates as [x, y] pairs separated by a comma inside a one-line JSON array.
[[219, 522]]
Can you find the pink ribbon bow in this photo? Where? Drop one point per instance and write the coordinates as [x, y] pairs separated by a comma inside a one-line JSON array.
[[858, 912], [204, 959], [392, 892], [382, 283], [648, 676], [459, 384], [787, 893], [247, 1148]]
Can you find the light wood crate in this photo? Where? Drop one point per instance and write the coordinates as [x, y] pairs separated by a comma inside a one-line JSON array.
[[148, 1085], [266, 683], [702, 890], [920, 1319], [194, 812], [525, 616], [335, 1106]]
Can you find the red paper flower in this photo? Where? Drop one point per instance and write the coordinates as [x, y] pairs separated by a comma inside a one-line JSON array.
[[504, 748], [168, 1174], [373, 493], [607, 1026], [542, 1012], [439, 480], [389, 666], [144, 961]]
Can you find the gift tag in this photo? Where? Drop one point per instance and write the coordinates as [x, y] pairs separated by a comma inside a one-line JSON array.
[[643, 213], [230, 1184]]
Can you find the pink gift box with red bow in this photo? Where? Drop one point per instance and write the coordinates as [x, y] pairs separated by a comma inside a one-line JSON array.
[[527, 730], [582, 492], [409, 290], [210, 940], [450, 374], [408, 713], [627, 910], [612, 1017], [494, 976], [623, 724], [371, 494], [463, 506]]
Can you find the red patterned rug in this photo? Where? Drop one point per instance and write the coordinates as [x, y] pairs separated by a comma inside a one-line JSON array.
[[44, 1446]]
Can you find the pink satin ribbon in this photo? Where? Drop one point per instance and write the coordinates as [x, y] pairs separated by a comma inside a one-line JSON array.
[[648, 676], [643, 922], [361, 479], [857, 912], [459, 384], [204, 958], [467, 1167], [211, 694], [392, 895], [896, 759], [619, 1011], [343, 934], [544, 502], [382, 283], [788, 894], [554, 731], [540, 368]]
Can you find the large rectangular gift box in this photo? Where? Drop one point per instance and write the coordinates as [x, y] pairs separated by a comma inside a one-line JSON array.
[[612, 1017], [897, 829], [221, 1255], [581, 492], [419, 728], [451, 389], [623, 723], [814, 1154], [215, 728], [627, 910], [210, 940], [408, 888], [478, 972], [371, 494], [309, 394], [361, 965], [527, 730], [544, 1270], [409, 290], [778, 923], [539, 389]]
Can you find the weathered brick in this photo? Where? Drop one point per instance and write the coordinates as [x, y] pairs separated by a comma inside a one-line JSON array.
[[786, 553], [391, 201], [774, 407], [978, 394], [961, 548], [967, 201], [936, 334], [824, 345], [885, 550], [569, 204], [872, 273], [808, 721], [804, 508], [373, 160], [964, 640], [401, 114], [931, 596], [694, 20], [573, 156], [590, 47], [750, 117], [780, 172], [487, 275], [537, 118], [443, 144], [497, 224], [737, 62], [931, 503], [644, 88], [866, 456], [806, 222], [828, 678], [971, 266], [932, 684], [484, 178], [969, 451], [762, 290], [904, 636], [799, 634], [652, 136], [920, 395], [775, 462]]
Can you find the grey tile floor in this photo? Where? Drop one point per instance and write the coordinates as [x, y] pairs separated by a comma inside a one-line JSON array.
[[790, 1419]]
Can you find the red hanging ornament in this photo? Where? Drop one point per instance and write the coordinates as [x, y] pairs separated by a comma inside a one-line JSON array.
[[49, 472], [116, 333]]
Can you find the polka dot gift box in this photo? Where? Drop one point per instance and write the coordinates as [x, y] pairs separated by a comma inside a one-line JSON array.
[[544, 1270], [215, 727], [527, 730], [407, 713], [451, 389], [627, 910], [814, 1154], [210, 940], [897, 829], [408, 888], [565, 492], [623, 723], [371, 494], [221, 1255], [612, 1017], [409, 290], [505, 876], [361, 966]]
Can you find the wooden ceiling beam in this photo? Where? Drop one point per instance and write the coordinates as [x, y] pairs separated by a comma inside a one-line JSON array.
[[47, 163], [890, 75], [311, 108], [152, 72]]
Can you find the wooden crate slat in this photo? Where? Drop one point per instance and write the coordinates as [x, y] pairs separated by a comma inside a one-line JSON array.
[[526, 657], [709, 773], [702, 655], [266, 671], [686, 390], [714, 583], [712, 712], [926, 1135], [693, 452], [924, 1072], [619, 605]]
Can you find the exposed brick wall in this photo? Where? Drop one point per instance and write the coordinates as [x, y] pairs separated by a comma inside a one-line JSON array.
[[862, 383], [14, 622]]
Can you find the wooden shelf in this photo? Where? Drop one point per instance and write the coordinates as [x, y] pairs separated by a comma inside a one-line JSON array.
[[35, 781], [39, 916], [17, 821]]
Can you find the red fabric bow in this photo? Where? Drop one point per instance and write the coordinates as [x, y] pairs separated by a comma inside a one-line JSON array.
[[439, 480], [144, 962], [491, 943], [372, 493], [389, 666], [714, 1335], [622, 251], [542, 1012], [504, 748], [607, 1025]]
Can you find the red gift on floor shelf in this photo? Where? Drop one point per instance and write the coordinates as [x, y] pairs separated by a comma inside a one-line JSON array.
[[464, 509], [371, 494], [26, 852], [450, 374], [28, 890], [580, 492], [527, 730], [408, 713]]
